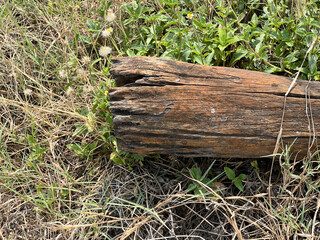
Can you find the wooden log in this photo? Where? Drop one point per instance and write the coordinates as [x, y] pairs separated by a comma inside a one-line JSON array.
[[170, 107]]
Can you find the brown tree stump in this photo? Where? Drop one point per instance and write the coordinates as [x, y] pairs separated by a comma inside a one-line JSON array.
[[170, 107]]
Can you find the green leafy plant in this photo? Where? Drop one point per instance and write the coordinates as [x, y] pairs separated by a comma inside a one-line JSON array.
[[196, 187], [255, 165], [126, 159], [254, 36], [236, 180], [84, 150], [202, 183], [45, 196], [37, 149]]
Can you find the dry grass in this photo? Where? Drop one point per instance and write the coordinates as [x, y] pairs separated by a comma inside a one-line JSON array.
[[49, 192]]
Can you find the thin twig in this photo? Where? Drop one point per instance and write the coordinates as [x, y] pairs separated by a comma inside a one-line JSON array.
[[311, 126]]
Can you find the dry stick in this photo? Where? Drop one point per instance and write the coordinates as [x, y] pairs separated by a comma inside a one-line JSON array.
[[276, 148], [173, 234], [310, 119]]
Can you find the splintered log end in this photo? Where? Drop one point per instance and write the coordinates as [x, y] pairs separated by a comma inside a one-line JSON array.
[[170, 107]]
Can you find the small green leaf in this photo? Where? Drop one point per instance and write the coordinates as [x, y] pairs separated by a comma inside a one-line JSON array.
[[76, 148], [79, 129], [230, 173], [209, 58], [278, 50], [198, 49], [291, 58], [242, 177], [83, 112], [254, 20], [195, 173], [255, 165], [116, 159], [239, 185], [285, 35], [198, 59], [197, 23], [31, 140], [312, 63], [186, 54], [90, 147], [240, 53], [191, 187], [270, 69], [222, 36]]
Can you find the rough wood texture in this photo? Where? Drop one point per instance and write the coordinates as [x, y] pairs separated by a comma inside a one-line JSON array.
[[170, 107]]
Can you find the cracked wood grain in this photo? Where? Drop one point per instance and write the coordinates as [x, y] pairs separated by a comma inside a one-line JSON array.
[[170, 107]]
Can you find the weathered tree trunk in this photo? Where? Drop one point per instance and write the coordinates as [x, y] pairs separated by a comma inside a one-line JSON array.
[[170, 107]]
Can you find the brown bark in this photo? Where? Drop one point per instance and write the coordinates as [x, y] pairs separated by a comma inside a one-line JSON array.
[[171, 107]]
